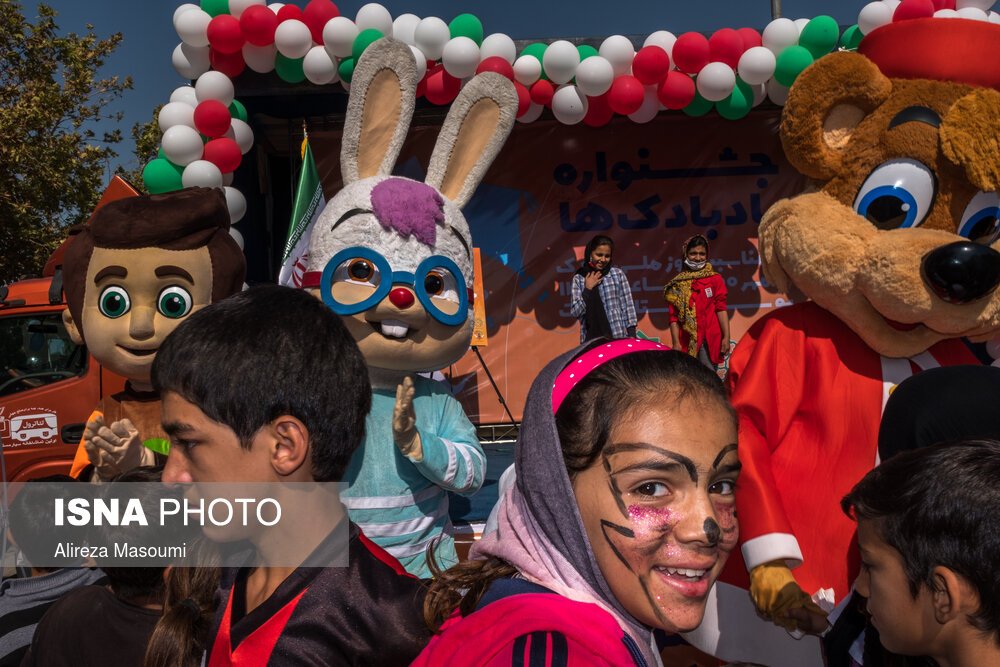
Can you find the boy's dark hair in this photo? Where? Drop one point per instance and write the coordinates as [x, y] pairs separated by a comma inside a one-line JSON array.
[[938, 506], [32, 517], [267, 352]]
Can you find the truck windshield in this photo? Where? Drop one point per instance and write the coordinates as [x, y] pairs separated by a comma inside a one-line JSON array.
[[35, 350]]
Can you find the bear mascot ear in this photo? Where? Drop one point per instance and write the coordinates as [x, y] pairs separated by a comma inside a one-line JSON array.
[[827, 103], [969, 137]]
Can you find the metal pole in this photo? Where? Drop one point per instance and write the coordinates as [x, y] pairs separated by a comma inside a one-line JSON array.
[[775, 9]]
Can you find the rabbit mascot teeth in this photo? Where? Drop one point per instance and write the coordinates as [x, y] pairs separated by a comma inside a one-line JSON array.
[[393, 257]]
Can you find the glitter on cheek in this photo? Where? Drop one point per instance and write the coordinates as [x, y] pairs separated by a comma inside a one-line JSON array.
[[726, 515], [651, 522]]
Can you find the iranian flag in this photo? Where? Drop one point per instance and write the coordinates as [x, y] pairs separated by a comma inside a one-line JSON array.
[[309, 203]]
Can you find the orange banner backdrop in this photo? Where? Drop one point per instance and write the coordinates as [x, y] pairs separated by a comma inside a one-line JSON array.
[[647, 186]]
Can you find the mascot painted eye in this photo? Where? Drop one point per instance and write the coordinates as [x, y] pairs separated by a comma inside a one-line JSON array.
[[897, 194], [441, 284], [981, 219], [114, 302], [174, 302], [358, 271]]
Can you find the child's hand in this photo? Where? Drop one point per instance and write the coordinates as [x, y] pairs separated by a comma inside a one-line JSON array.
[[593, 279], [404, 421]]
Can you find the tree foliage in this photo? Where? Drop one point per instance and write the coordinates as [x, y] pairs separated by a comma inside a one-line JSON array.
[[146, 137], [52, 161]]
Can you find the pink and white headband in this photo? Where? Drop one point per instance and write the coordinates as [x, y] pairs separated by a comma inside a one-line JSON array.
[[582, 366]]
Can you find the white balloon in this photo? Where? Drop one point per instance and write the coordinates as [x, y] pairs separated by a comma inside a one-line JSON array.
[[192, 27], [201, 173], [777, 93], [260, 58], [227, 179], [421, 61], [318, 67], [973, 13], [663, 39], [339, 34], [499, 44], [594, 76], [946, 14], [191, 61], [650, 106], [237, 7], [185, 94], [800, 24], [569, 105], [873, 15], [182, 145], [276, 6], [236, 203], [618, 51], [756, 65], [241, 133], [983, 5], [780, 34], [180, 10], [374, 15], [759, 93], [431, 35], [404, 26], [892, 4], [560, 61], [293, 38], [235, 233], [527, 70], [175, 113], [532, 114], [716, 81], [214, 86], [460, 57], [994, 17]]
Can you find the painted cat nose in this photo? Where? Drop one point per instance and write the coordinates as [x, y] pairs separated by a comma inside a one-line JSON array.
[[961, 272], [401, 297]]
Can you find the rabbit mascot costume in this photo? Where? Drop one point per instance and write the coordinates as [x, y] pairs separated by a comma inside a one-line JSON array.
[[393, 257]]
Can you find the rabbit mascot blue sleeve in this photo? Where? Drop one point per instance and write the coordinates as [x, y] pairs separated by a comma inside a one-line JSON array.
[[393, 257]]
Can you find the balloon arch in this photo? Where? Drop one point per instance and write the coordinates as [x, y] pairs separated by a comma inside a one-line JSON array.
[[205, 130]]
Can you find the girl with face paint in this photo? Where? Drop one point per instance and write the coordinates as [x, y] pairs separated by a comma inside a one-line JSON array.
[[601, 296], [699, 323], [619, 522]]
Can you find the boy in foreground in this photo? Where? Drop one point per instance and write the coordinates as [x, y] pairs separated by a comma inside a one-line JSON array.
[[929, 534], [268, 386]]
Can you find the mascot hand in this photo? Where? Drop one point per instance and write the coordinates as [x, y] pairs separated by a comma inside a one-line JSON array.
[[404, 422], [113, 450], [779, 599]]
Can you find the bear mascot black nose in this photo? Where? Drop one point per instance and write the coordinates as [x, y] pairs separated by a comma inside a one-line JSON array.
[[962, 272]]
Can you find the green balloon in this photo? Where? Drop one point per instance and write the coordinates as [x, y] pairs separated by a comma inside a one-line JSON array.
[[820, 36], [215, 7], [346, 69], [467, 25], [738, 104], [851, 38], [790, 64], [160, 175], [586, 51], [699, 106], [237, 110], [364, 39], [289, 69], [536, 49]]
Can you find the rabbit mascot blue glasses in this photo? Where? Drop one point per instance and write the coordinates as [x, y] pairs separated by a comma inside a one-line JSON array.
[[393, 257]]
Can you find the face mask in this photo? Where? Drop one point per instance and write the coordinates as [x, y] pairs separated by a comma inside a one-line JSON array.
[[695, 266]]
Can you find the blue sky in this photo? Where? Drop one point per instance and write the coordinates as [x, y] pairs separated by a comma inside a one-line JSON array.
[[149, 37]]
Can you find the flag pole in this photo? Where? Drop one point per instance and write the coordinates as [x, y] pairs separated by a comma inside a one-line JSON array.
[[775, 9]]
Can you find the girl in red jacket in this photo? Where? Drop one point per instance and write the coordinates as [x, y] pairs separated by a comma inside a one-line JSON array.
[[699, 323], [619, 522]]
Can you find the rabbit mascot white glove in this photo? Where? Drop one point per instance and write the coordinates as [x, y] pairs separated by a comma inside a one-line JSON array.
[[393, 257]]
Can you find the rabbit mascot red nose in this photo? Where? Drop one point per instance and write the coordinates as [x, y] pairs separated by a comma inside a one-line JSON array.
[[393, 257]]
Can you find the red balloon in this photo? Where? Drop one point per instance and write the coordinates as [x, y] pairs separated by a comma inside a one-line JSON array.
[[676, 91], [422, 88], [599, 111], [289, 12], [650, 65], [751, 38], [913, 9], [258, 24], [691, 52], [224, 34], [442, 87], [230, 64], [944, 4], [725, 46], [523, 98], [626, 95], [224, 153], [498, 65], [542, 92], [212, 118], [316, 14]]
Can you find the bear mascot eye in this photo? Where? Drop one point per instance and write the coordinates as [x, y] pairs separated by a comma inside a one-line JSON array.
[[981, 218], [897, 194]]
